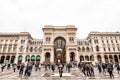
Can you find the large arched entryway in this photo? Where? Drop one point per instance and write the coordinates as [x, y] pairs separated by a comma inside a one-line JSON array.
[[7, 59], [2, 59], [106, 59], [115, 58], [12, 59], [72, 56], [81, 58], [59, 50], [27, 58], [91, 58], [87, 58], [47, 57], [99, 58], [111, 58]]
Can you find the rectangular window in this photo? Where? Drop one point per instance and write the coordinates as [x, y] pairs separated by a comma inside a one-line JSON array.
[[104, 49], [111, 41], [108, 49], [107, 41], [113, 49], [102, 41], [118, 49]]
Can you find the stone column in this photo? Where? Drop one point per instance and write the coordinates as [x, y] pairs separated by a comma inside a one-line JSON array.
[[23, 58], [67, 56], [95, 59], [113, 58], [2, 48], [5, 58], [77, 57], [16, 59], [52, 56], [10, 58], [102, 57], [42, 56], [12, 48]]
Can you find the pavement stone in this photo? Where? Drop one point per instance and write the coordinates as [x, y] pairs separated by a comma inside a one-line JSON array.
[[40, 75]]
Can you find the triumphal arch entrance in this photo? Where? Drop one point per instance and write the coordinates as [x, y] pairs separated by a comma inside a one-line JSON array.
[[59, 44]]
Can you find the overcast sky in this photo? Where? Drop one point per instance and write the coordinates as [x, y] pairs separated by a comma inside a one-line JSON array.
[[86, 15]]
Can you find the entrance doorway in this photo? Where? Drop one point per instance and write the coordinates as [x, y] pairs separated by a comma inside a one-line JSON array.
[[47, 57], [72, 56], [59, 50]]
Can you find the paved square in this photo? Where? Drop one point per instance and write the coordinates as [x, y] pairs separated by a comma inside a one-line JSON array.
[[48, 75]]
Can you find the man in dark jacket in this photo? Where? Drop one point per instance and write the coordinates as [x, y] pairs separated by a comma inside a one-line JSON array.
[[110, 70]]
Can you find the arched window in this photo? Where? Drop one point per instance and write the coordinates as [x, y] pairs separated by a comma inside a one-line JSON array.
[[83, 49], [27, 58], [35, 49], [88, 49], [20, 58], [91, 58], [40, 49], [81, 58], [38, 58], [31, 49], [47, 57], [32, 58], [72, 56]]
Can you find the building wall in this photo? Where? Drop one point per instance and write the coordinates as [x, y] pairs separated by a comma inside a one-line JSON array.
[[97, 47]]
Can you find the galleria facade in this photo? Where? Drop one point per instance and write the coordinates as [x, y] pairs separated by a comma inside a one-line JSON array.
[[60, 44]]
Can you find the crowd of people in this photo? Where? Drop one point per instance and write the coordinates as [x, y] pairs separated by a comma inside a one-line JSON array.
[[87, 69]]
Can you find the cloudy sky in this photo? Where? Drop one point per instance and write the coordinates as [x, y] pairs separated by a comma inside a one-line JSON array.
[[86, 15]]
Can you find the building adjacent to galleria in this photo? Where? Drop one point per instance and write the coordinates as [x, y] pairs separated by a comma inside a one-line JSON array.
[[59, 44]]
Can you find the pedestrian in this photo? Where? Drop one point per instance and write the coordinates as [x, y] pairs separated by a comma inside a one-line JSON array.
[[110, 70], [69, 66], [118, 68], [14, 67], [2, 67], [53, 67], [60, 67], [21, 70], [99, 68], [8, 66]]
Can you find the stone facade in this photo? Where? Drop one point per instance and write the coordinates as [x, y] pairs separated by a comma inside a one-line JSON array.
[[59, 44]]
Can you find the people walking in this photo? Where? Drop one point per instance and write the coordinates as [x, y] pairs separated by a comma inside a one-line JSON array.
[[60, 67], [118, 68], [21, 70], [53, 67], [2, 67], [110, 70], [14, 67], [69, 67], [99, 68]]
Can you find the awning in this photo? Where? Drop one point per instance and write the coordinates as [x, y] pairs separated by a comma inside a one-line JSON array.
[[32, 57], [20, 58], [38, 57], [27, 57]]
